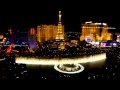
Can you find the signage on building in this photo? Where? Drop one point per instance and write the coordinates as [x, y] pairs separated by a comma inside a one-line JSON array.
[[88, 39]]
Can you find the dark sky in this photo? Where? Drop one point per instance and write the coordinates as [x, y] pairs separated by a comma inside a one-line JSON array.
[[22, 15]]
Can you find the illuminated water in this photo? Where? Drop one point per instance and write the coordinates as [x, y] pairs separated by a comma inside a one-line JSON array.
[[41, 61], [48, 71]]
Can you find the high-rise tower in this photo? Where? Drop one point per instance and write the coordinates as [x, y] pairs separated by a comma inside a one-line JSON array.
[[60, 32]]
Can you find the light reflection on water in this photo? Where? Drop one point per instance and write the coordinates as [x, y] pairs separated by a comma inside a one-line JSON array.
[[96, 64]]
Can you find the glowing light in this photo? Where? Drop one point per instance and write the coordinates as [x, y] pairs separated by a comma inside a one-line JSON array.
[[9, 49], [14, 45], [37, 61], [88, 22], [79, 68], [11, 31], [88, 39], [104, 23], [2, 59], [114, 44], [32, 31], [103, 44], [101, 27], [98, 23]]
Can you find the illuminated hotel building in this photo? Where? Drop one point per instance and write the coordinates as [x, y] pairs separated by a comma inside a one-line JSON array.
[[47, 32], [21, 36], [50, 32], [32, 38], [97, 31]]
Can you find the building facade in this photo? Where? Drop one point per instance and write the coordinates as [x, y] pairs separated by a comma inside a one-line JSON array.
[[21, 37], [11, 36], [97, 31], [32, 38], [47, 32], [16, 36], [51, 32]]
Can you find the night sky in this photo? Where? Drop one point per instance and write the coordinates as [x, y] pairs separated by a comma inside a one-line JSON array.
[[22, 15]]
